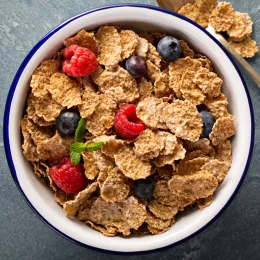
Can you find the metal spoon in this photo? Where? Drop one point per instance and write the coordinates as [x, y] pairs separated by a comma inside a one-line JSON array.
[[175, 5]]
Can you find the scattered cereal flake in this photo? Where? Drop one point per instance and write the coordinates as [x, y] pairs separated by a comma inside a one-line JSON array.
[[104, 138], [189, 89], [33, 116], [186, 50], [217, 168], [201, 148], [131, 166], [166, 171], [193, 12], [126, 215], [90, 100], [222, 17], [61, 197], [207, 5], [39, 85], [116, 93], [116, 78], [71, 207], [161, 211], [153, 71], [189, 188], [177, 153], [190, 10], [153, 55], [189, 167], [217, 106], [163, 194], [145, 88], [45, 107], [115, 187], [39, 171], [196, 154], [90, 165], [146, 35], [202, 144], [142, 46], [208, 82], [223, 152], [149, 110], [203, 203], [162, 85], [54, 148], [205, 63], [88, 84], [246, 48], [112, 146], [157, 223], [64, 90], [183, 119], [29, 147], [39, 134], [147, 145], [83, 39], [223, 128], [143, 230], [51, 183], [163, 160], [128, 42], [97, 73], [106, 231], [167, 142], [104, 163], [178, 68], [103, 117], [47, 68], [152, 37], [241, 28], [156, 231], [160, 115], [109, 46], [83, 211], [59, 56]]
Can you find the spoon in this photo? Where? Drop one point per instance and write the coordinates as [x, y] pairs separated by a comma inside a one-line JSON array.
[[175, 5]]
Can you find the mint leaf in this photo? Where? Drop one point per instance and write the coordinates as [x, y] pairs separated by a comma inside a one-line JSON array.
[[76, 150], [94, 146], [75, 158], [81, 129]]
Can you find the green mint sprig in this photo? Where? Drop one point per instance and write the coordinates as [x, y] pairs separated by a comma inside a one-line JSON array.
[[78, 148], [81, 129]]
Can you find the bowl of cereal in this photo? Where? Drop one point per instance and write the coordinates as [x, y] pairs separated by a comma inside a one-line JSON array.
[[128, 128]]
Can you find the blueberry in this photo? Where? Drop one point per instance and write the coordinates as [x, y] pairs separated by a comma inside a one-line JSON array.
[[136, 66], [208, 122], [169, 48], [67, 122], [144, 188]]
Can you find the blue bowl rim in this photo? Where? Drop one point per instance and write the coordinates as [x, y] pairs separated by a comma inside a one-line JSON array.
[[16, 80]]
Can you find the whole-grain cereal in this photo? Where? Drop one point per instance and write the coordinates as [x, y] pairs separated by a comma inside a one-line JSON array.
[[135, 155]]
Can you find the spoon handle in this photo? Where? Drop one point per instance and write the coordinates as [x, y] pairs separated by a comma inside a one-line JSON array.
[[255, 75]]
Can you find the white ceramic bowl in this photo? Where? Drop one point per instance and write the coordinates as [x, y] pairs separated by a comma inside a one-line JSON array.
[[136, 17]]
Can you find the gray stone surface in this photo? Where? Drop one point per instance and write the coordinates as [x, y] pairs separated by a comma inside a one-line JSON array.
[[235, 235]]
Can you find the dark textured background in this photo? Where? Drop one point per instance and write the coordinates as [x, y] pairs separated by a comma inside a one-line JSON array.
[[235, 235]]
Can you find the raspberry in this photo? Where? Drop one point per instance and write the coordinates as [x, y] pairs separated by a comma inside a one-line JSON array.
[[126, 122], [68, 177], [79, 61]]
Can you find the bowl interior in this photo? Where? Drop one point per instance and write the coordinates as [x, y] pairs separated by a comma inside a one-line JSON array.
[[141, 19]]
